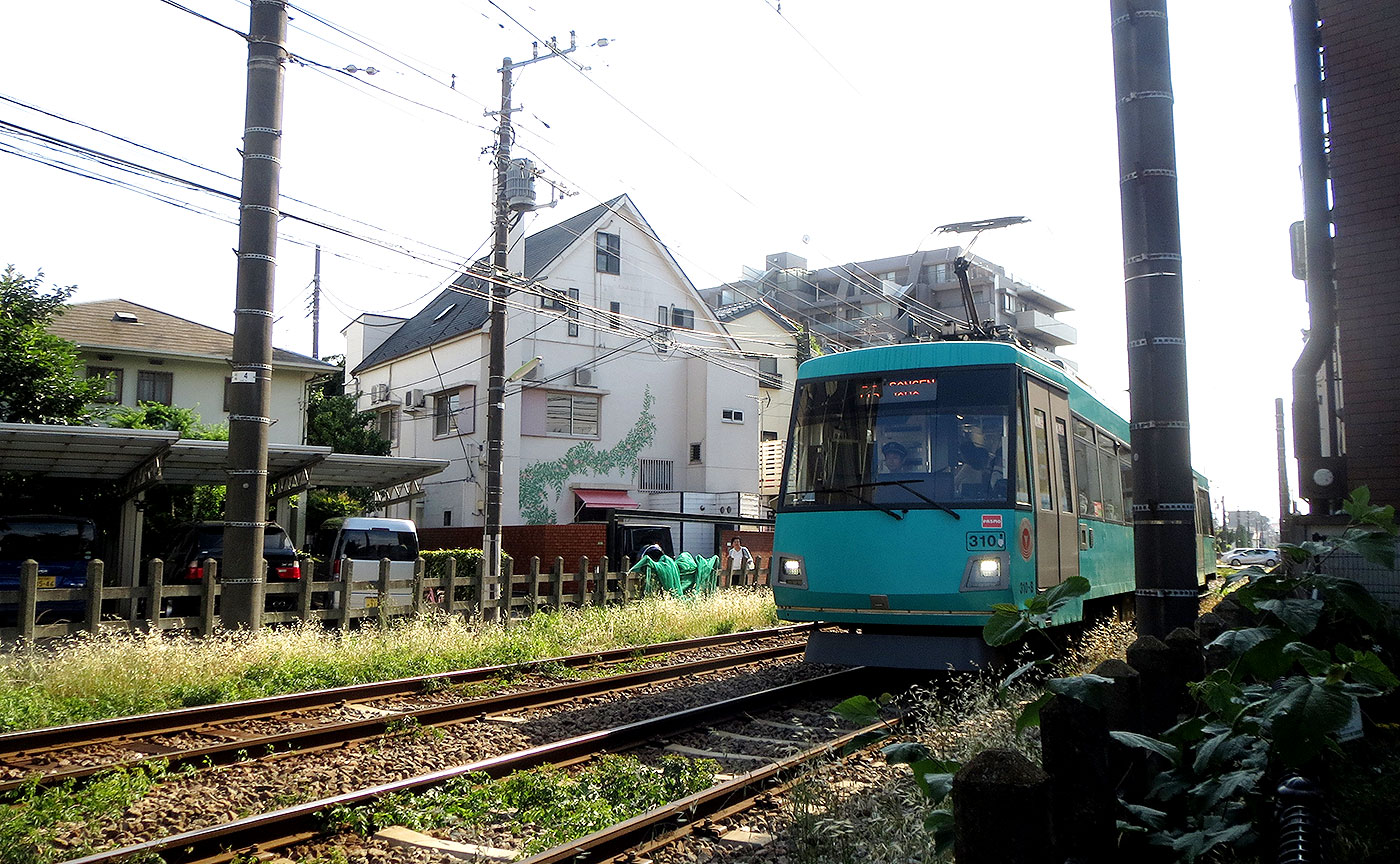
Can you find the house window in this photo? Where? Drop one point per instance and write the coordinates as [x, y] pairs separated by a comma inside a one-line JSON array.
[[388, 425], [940, 273], [615, 315], [683, 319], [113, 381], [768, 373], [553, 298], [732, 415], [768, 435], [573, 312], [1008, 302], [609, 253], [694, 451], [447, 518], [656, 475], [155, 387], [572, 414], [454, 413]]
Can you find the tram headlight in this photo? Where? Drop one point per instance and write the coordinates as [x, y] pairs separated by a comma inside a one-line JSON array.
[[791, 572], [985, 573]]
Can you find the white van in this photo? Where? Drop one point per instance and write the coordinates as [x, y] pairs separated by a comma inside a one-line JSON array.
[[351, 547]]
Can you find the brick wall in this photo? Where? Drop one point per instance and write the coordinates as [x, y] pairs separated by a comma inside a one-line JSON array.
[[523, 541], [1361, 41]]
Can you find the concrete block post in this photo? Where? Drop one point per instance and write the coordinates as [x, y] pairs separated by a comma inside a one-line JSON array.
[[28, 598], [600, 583], [96, 572], [1155, 663], [382, 609], [507, 588], [417, 587], [534, 584], [347, 584], [556, 579], [209, 596], [449, 602], [583, 580], [1001, 811], [1076, 747], [1123, 711], [304, 592], [483, 594], [155, 591]]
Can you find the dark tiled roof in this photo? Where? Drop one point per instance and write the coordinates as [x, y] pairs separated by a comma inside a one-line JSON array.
[[141, 328], [735, 311], [467, 312]]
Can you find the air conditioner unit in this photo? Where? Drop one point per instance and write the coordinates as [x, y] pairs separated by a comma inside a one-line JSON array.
[[414, 399], [379, 393], [583, 377]]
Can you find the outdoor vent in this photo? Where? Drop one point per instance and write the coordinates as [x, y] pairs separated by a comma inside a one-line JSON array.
[[124, 317], [695, 451], [583, 377], [379, 393], [414, 399]]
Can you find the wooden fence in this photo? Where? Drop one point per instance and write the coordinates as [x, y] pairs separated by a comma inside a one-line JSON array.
[[99, 607]]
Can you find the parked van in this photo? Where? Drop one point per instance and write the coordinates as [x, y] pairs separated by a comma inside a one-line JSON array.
[[351, 547], [62, 546]]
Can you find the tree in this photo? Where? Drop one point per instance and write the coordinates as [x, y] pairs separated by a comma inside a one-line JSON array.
[[41, 377], [154, 415], [332, 421]]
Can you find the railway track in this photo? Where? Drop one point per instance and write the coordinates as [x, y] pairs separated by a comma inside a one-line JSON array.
[[303, 722], [268, 833]]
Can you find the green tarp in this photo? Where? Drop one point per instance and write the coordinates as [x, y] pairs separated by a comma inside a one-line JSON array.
[[684, 574]]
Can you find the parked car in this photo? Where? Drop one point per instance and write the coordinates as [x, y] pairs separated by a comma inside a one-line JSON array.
[[62, 546], [357, 544], [184, 564], [1241, 557]]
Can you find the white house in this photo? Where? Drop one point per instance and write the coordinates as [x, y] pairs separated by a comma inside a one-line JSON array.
[[150, 356], [639, 392], [772, 338]]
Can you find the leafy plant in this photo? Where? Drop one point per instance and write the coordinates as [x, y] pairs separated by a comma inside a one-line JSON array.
[[1288, 683], [1011, 622]]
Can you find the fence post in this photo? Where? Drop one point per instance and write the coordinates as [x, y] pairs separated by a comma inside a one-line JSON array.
[[534, 584], [383, 607], [308, 575], [449, 603], [28, 598], [155, 589], [507, 588], [1076, 746], [347, 583], [583, 580], [556, 581], [990, 785], [483, 593], [95, 572], [417, 587], [600, 582], [627, 580], [209, 596]]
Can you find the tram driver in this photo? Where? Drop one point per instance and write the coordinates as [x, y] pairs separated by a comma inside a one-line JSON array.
[[897, 459]]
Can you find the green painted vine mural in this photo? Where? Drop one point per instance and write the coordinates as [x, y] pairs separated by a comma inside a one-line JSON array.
[[583, 458]]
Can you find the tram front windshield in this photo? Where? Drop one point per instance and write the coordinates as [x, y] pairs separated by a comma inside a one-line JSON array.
[[907, 439]]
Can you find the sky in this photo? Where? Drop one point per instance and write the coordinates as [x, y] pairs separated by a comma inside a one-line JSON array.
[[837, 131]]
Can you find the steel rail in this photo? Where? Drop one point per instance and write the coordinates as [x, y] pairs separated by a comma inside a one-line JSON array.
[[337, 734], [659, 827], [183, 719], [280, 828]]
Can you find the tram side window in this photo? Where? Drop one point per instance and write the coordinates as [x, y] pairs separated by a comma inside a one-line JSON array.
[[1125, 465], [1086, 471], [1066, 476], [1023, 463], [1112, 480], [1042, 460]]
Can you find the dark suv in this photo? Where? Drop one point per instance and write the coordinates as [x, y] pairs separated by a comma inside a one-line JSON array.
[[184, 565]]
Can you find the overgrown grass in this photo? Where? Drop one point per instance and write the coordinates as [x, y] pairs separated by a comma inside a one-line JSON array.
[[549, 805], [33, 819], [90, 677]]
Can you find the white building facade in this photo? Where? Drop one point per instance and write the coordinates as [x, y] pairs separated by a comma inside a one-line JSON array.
[[639, 391]]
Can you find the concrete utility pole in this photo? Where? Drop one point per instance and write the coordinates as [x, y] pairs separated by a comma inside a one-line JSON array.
[[496, 362], [250, 389], [316, 308], [1164, 498]]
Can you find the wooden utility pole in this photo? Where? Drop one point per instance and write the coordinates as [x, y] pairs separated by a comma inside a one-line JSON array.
[[250, 387]]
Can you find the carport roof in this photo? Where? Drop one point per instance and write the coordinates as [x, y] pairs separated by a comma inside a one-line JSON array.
[[102, 454]]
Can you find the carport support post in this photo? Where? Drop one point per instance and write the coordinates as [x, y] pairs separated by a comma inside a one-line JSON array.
[[250, 389], [1164, 497]]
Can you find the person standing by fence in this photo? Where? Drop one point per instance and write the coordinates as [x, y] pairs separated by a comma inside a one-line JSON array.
[[740, 562]]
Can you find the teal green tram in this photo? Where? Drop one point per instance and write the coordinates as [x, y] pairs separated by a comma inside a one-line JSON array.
[[926, 482]]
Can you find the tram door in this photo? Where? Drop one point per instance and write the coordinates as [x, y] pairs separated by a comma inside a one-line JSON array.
[[1056, 524]]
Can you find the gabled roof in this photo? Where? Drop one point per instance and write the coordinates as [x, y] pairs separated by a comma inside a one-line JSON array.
[[735, 311], [120, 325], [468, 312]]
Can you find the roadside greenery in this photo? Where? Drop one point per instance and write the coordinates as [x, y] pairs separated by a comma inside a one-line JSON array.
[[548, 805], [41, 377], [90, 677]]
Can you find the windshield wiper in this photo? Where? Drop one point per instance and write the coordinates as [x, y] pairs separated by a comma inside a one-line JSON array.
[[905, 485], [848, 493]]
